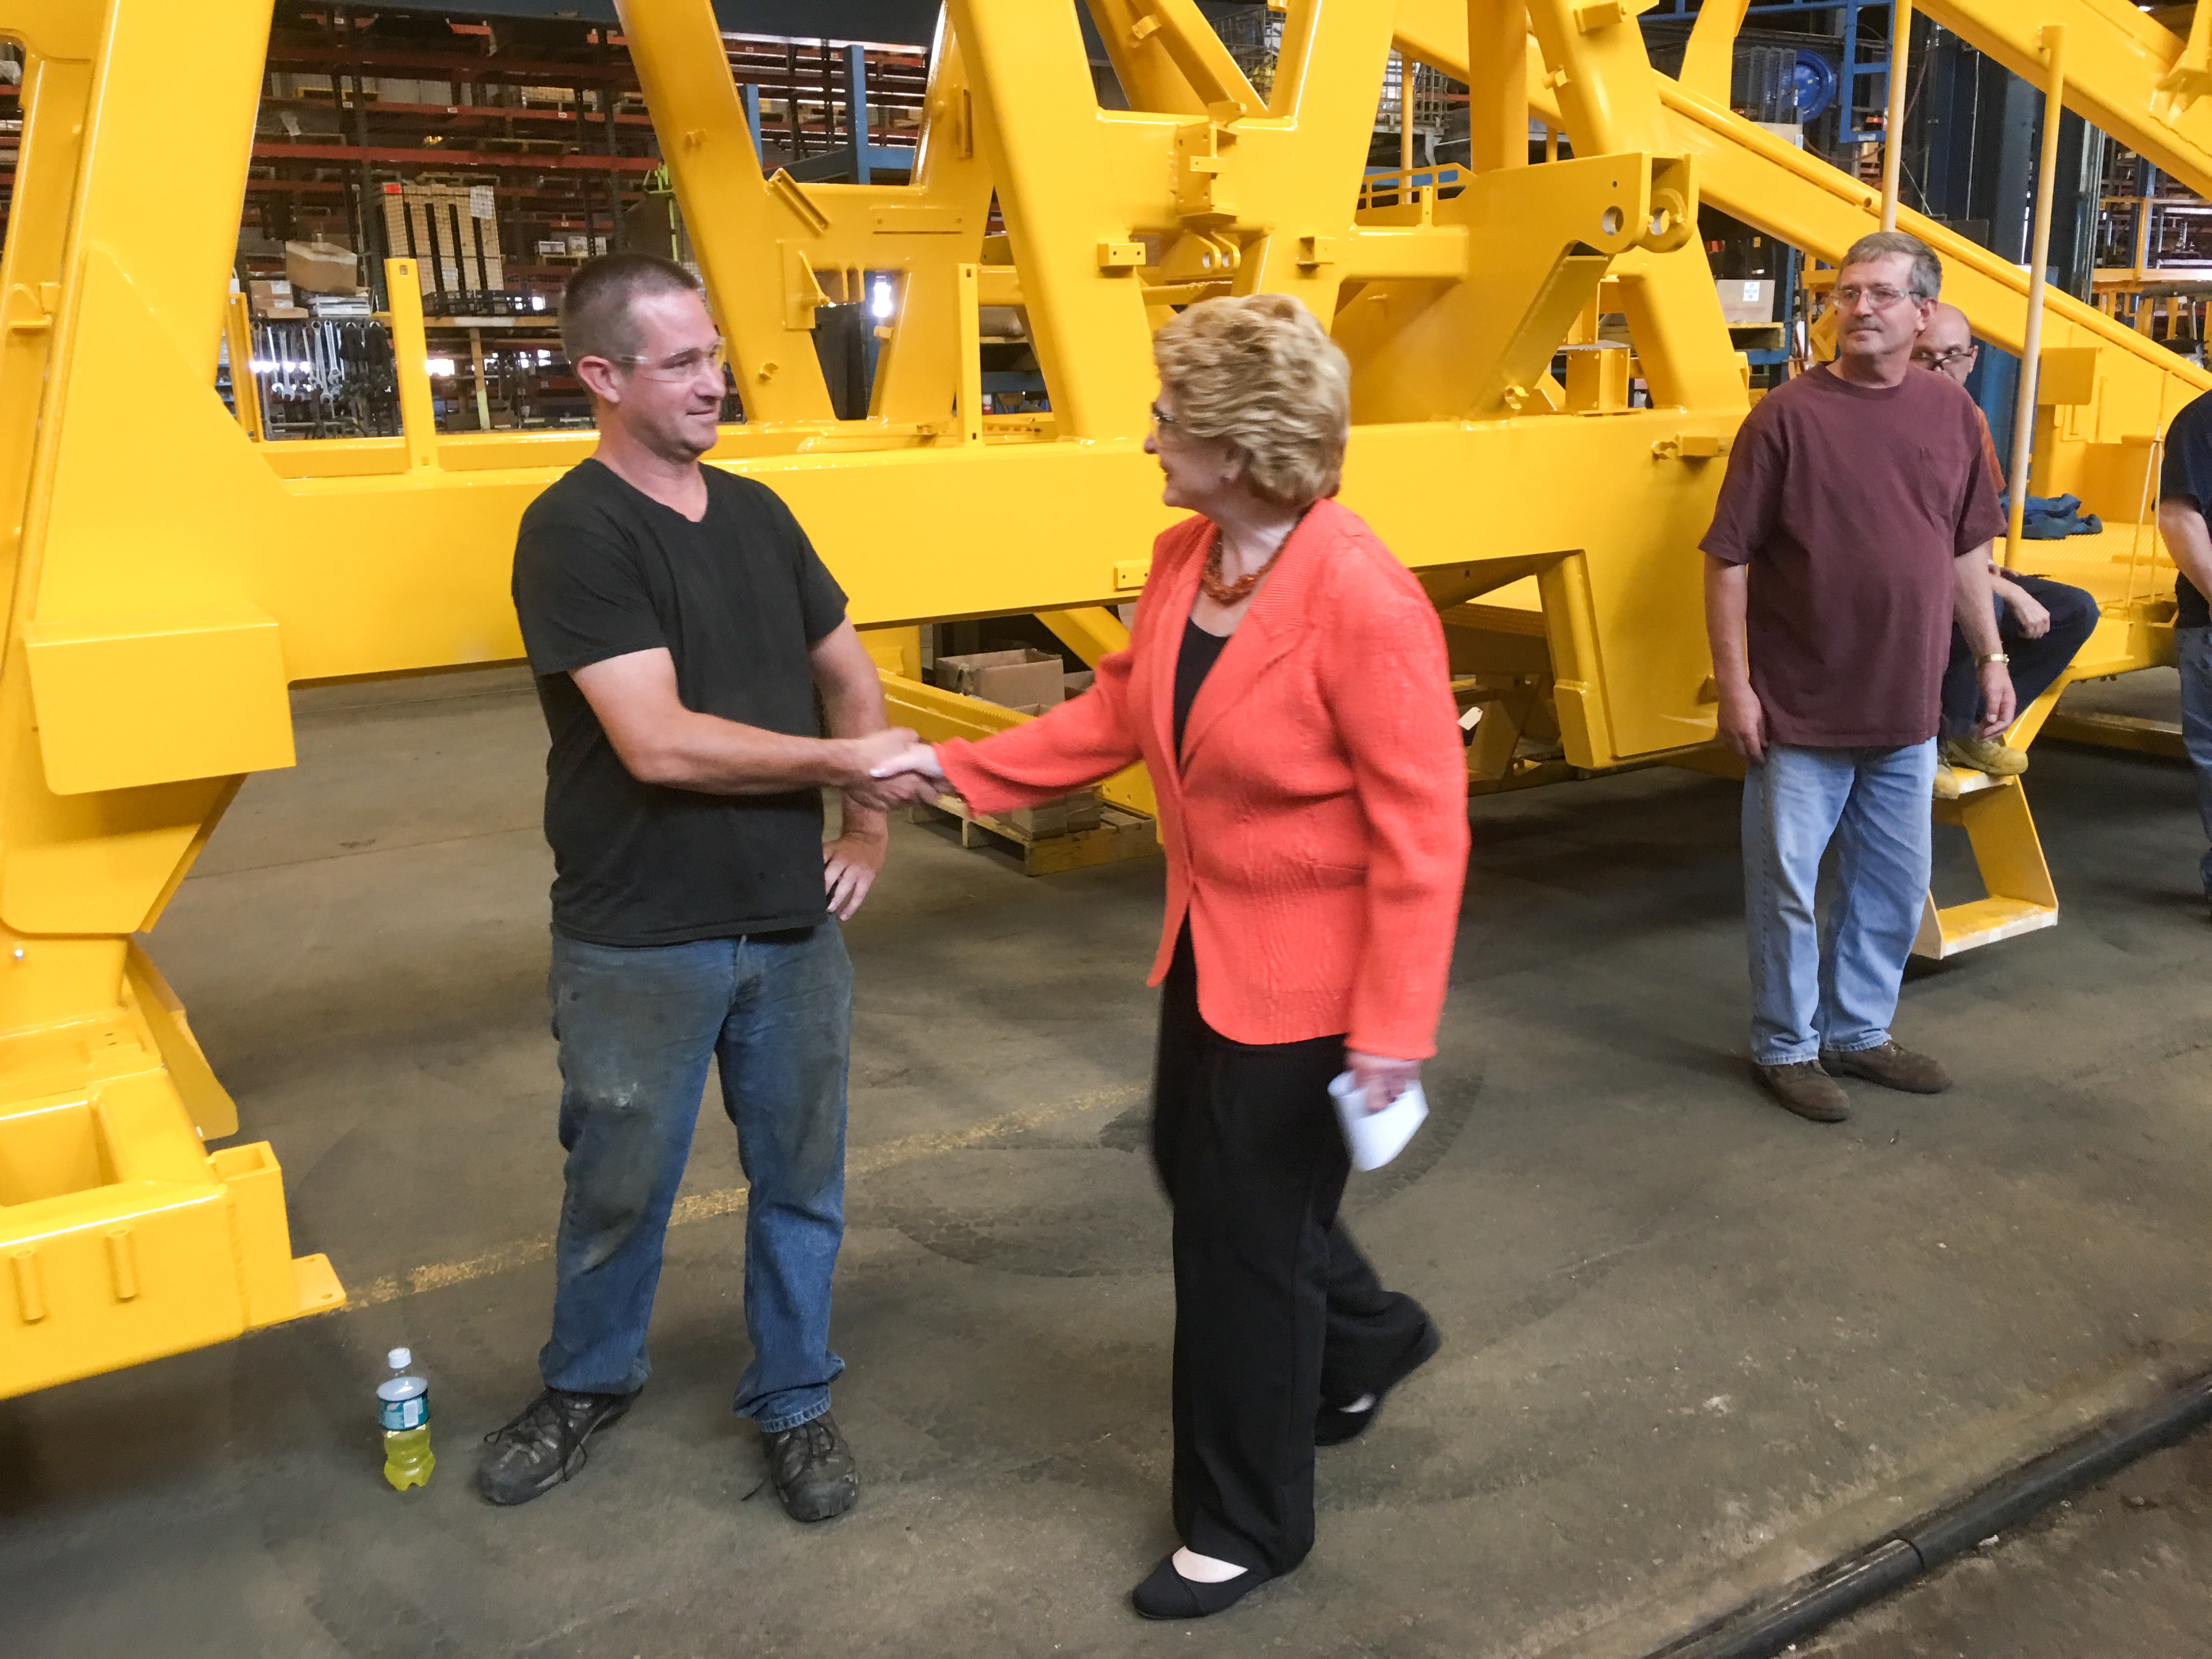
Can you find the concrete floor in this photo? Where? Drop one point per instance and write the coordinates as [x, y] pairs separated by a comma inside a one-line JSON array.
[[2132, 1557], [1694, 1346]]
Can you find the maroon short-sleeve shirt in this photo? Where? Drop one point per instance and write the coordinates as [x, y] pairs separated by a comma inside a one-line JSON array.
[[1849, 504]]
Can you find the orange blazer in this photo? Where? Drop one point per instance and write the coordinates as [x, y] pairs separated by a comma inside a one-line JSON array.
[[1316, 823]]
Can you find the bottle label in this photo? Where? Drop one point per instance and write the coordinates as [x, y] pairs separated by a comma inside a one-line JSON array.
[[399, 1415]]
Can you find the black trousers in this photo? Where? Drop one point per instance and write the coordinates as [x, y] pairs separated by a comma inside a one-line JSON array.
[[1275, 1308]]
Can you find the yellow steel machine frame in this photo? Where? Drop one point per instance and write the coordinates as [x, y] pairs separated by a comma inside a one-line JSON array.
[[160, 603]]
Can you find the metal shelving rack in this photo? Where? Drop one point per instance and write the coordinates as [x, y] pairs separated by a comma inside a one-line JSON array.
[[545, 115]]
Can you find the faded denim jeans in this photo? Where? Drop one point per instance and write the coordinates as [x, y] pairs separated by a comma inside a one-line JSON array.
[[637, 1027], [2192, 648], [1836, 987]]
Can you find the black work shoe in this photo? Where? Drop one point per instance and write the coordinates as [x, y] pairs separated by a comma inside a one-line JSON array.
[[1807, 1090], [545, 1445], [1334, 1425], [813, 1469], [1892, 1065]]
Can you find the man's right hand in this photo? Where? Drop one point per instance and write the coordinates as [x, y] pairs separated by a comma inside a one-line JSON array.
[[1743, 723], [865, 755]]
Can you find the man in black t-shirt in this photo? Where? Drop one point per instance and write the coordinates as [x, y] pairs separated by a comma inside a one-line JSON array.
[[681, 628], [2185, 492]]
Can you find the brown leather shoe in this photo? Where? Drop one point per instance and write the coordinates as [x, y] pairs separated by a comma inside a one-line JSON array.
[[1806, 1090], [1891, 1066]]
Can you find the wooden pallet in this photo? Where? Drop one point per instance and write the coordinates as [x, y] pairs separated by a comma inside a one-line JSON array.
[[1120, 835]]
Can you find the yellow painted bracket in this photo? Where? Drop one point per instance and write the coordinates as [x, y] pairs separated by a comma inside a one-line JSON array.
[[127, 700]]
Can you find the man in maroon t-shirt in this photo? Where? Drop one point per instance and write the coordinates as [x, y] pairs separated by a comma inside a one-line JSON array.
[[1853, 527]]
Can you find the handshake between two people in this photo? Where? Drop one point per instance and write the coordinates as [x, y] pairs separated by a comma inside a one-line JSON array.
[[891, 768]]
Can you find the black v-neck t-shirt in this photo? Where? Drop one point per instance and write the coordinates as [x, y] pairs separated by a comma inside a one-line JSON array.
[[1193, 662], [602, 570]]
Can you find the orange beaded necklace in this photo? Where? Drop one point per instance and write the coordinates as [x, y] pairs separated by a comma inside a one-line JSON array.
[[1225, 594]]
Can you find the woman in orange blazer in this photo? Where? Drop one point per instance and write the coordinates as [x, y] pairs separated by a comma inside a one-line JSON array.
[[1286, 685]]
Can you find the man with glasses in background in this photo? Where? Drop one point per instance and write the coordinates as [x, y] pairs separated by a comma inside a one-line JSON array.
[[681, 628], [2040, 622], [1854, 525]]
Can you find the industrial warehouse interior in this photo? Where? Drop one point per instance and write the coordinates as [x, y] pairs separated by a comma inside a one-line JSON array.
[[317, 1115]]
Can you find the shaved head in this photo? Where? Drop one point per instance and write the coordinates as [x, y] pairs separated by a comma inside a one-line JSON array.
[[1946, 344]]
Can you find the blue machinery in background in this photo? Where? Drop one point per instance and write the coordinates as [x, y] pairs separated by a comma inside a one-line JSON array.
[[1819, 81], [859, 158]]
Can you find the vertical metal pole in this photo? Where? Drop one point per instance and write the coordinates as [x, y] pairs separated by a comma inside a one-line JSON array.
[[373, 250], [791, 97], [1406, 124], [609, 102], [410, 363], [856, 109], [2146, 188], [583, 179], [1498, 99], [483, 393], [1892, 129], [2053, 41], [967, 294], [1551, 143], [244, 384], [1847, 113], [750, 95]]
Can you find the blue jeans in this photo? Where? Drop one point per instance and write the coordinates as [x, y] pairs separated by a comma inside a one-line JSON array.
[[2035, 663], [2192, 648], [1837, 989], [637, 1027]]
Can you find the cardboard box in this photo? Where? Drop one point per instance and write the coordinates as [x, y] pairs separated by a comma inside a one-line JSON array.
[[1075, 684], [264, 296], [321, 268], [1025, 679], [1746, 302]]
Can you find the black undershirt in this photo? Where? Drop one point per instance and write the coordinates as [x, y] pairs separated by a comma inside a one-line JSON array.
[[1200, 651]]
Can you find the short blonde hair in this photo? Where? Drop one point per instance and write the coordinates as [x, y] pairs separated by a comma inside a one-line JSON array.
[[1260, 373]]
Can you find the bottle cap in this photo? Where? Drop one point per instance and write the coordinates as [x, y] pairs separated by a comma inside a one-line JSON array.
[[399, 1359]]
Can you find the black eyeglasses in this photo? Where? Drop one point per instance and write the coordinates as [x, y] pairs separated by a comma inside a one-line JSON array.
[[1941, 359]]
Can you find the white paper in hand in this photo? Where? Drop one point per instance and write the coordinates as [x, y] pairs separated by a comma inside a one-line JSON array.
[[1375, 1138]]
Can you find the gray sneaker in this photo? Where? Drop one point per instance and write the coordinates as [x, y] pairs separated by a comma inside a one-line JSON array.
[[545, 1445], [813, 1469], [1806, 1090]]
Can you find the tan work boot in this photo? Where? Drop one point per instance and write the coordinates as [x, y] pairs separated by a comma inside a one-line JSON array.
[[1981, 754], [1806, 1090], [1947, 782], [1892, 1066]]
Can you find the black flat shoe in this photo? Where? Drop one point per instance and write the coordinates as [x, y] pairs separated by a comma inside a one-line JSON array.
[[1168, 1595], [1333, 1425]]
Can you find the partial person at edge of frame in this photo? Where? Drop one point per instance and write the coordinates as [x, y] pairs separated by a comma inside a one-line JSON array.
[[1854, 524], [679, 626], [2041, 624], [2184, 495], [1286, 685]]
